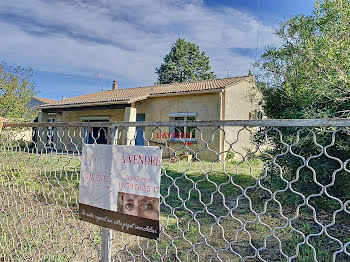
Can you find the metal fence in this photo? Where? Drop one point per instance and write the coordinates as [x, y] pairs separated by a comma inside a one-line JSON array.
[[262, 190]]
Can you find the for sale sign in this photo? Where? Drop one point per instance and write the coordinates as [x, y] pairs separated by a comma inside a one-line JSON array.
[[119, 188]]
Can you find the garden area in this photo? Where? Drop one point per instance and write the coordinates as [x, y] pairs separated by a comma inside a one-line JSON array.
[[220, 211]]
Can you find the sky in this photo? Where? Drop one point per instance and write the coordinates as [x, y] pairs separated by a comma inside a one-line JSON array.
[[69, 43]]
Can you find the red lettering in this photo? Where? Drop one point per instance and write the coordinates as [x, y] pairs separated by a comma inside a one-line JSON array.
[[141, 159], [96, 177], [157, 161], [123, 159], [134, 159]]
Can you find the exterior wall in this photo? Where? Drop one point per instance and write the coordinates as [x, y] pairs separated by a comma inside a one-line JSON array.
[[68, 138], [26, 135], [115, 115], [233, 103], [207, 107], [240, 102]]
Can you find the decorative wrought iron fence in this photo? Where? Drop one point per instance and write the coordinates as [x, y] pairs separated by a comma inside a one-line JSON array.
[[265, 190]]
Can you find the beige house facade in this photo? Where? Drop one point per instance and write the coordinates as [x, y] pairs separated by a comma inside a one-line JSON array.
[[234, 98]]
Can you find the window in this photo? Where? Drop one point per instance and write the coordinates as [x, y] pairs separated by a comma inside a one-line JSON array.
[[182, 132]]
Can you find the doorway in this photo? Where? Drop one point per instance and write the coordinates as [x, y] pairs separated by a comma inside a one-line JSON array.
[[95, 135]]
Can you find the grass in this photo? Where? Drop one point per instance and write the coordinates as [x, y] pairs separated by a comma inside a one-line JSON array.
[[208, 212]]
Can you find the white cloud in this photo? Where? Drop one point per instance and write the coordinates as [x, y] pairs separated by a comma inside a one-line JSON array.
[[123, 38]]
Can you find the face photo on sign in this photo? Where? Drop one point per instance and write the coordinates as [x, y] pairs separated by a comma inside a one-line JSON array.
[[138, 205]]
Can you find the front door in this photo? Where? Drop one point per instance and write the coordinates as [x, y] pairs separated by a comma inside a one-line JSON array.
[[139, 141]]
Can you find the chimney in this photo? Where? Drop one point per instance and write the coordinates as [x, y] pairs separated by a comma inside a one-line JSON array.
[[115, 85]]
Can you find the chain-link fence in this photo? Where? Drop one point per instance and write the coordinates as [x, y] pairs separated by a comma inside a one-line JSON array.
[[230, 191]]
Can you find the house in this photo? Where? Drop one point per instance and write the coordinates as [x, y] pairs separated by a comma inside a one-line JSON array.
[[27, 135], [219, 99], [35, 102]]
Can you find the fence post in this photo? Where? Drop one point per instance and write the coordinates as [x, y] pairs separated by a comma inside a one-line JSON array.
[[106, 244]]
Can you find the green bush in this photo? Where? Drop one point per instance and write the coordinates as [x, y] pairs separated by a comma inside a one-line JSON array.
[[308, 77], [310, 167]]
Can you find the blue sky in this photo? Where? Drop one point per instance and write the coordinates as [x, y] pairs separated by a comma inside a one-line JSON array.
[[67, 42]]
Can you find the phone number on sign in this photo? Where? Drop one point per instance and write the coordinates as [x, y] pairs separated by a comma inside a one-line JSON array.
[[138, 187]]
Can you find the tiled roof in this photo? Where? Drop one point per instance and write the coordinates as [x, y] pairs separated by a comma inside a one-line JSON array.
[[129, 95], [46, 100]]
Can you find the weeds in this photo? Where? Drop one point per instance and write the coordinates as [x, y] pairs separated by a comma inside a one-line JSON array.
[[209, 211]]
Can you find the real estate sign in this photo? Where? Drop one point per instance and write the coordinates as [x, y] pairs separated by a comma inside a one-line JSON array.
[[119, 188]]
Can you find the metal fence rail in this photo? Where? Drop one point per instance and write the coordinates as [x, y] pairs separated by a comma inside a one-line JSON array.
[[264, 190]]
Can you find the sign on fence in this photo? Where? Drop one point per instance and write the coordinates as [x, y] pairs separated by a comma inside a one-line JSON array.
[[119, 188]]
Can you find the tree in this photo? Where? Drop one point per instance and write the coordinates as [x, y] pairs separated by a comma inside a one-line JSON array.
[[16, 89], [184, 63], [309, 77]]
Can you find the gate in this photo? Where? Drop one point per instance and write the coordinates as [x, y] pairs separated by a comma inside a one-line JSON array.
[[262, 190]]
